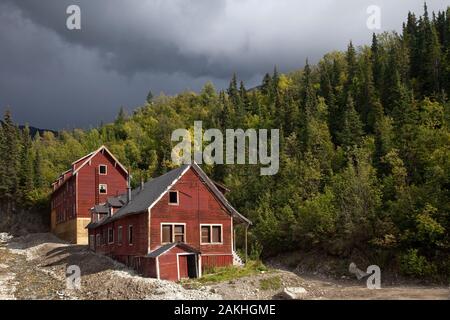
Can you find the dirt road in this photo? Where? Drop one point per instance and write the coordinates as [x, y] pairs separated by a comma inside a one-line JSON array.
[[34, 267]]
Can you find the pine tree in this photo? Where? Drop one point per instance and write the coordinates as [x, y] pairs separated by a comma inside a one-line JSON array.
[[233, 92], [37, 170], [309, 98], [351, 131], [352, 70], [26, 166], [149, 97], [266, 87], [11, 149], [377, 64]]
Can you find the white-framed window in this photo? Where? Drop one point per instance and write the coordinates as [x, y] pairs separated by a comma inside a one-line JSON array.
[[110, 235], [103, 169], [119, 234], [103, 188], [130, 234], [173, 232], [173, 198], [211, 234]]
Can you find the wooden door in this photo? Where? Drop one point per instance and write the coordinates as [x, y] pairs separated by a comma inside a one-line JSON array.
[[183, 266]]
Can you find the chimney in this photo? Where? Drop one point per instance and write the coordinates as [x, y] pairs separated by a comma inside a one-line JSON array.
[[128, 188], [142, 184]]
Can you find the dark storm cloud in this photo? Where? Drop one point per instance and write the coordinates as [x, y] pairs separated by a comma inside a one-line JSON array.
[[56, 78]]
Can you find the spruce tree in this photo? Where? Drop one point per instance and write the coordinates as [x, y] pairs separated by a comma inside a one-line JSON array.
[[26, 166], [10, 161]]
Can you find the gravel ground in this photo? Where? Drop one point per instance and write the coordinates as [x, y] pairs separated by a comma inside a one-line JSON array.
[[34, 267]]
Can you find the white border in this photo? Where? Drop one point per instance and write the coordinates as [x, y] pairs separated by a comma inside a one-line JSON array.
[[211, 225], [173, 233]]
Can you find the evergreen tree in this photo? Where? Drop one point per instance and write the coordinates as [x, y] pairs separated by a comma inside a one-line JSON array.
[[351, 131], [26, 166], [11, 150], [149, 97], [233, 92]]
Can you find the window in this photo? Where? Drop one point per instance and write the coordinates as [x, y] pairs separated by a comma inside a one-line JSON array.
[[206, 234], [130, 234], [91, 241], [102, 188], [102, 169], [97, 239], [104, 235], [172, 232], [110, 235], [119, 235], [216, 234], [173, 197], [166, 233], [179, 233], [211, 234]]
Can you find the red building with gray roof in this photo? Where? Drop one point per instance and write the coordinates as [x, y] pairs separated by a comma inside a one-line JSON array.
[[172, 227]]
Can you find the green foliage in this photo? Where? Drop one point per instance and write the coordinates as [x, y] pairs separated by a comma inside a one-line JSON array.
[[230, 273], [413, 264], [272, 283], [364, 150]]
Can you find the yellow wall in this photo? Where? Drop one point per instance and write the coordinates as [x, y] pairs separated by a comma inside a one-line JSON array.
[[72, 231]]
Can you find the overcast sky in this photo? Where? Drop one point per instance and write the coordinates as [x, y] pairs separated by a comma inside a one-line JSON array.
[[54, 78]]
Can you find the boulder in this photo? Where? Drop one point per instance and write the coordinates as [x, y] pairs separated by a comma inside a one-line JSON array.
[[294, 293]]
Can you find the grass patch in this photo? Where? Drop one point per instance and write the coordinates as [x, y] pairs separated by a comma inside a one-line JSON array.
[[272, 283], [222, 274]]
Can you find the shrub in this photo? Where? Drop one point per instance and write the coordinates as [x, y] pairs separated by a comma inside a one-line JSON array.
[[272, 283], [413, 264]]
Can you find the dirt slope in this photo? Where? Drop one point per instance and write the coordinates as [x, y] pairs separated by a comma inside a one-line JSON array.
[[34, 266]]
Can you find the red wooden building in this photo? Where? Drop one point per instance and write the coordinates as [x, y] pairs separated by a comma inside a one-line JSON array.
[[91, 180], [171, 227]]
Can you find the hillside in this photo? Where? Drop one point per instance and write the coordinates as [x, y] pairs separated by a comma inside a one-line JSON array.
[[364, 151]]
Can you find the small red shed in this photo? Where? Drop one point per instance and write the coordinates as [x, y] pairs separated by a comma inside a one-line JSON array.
[[173, 261]]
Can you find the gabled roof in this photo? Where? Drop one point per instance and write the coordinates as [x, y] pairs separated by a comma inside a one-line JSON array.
[[166, 247], [155, 189], [89, 157], [82, 162], [100, 208]]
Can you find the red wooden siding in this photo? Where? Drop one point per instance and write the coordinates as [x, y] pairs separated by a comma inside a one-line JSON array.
[[89, 179], [63, 201], [124, 251], [197, 205], [212, 261]]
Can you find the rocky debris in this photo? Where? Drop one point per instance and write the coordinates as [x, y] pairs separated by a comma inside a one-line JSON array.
[[43, 260], [7, 287], [294, 293], [34, 267], [5, 237]]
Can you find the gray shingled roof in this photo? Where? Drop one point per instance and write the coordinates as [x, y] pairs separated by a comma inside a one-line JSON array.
[[99, 208], [118, 201], [166, 247], [141, 200]]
